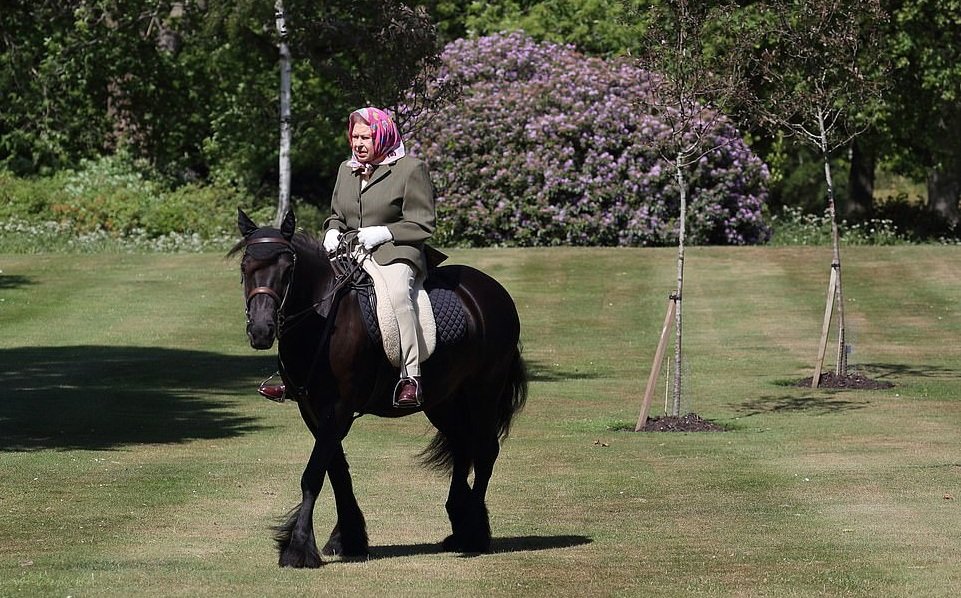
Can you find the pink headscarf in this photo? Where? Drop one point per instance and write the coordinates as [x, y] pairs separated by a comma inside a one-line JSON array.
[[388, 146]]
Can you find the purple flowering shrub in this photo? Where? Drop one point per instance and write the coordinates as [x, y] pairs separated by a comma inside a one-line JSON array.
[[547, 146]]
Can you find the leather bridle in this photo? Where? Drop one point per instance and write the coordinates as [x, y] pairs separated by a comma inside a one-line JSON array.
[[348, 271], [280, 300]]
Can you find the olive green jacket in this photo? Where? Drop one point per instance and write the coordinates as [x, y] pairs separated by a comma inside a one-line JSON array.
[[399, 196]]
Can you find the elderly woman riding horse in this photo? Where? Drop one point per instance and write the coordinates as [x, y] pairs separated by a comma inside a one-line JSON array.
[[476, 376]]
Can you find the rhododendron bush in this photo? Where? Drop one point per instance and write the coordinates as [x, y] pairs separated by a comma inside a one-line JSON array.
[[547, 146]]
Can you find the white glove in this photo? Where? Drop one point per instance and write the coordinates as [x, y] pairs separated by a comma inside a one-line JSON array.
[[372, 236], [331, 239]]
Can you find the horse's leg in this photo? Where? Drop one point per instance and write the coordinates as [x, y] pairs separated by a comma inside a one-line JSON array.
[[470, 428], [452, 448], [466, 506], [488, 427], [295, 537], [349, 537], [478, 535], [457, 506]]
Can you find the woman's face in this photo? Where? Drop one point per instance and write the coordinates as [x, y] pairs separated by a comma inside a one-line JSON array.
[[362, 142]]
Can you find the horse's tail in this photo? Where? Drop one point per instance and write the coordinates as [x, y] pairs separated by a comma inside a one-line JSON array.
[[284, 528], [514, 397], [439, 454]]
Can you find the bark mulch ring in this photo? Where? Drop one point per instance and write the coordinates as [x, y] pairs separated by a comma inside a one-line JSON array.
[[850, 381], [684, 423]]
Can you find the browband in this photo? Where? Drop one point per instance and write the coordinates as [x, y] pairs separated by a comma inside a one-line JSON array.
[[280, 240]]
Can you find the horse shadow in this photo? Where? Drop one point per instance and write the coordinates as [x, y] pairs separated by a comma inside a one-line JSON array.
[[498, 545], [105, 398]]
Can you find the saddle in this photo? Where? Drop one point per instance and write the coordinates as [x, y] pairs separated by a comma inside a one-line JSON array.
[[440, 313]]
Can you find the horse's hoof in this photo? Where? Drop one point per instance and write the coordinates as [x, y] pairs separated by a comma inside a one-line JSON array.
[[348, 546], [336, 549], [463, 545], [302, 564], [300, 560]]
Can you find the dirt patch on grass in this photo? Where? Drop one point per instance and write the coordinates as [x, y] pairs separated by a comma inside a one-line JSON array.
[[850, 381], [683, 423]]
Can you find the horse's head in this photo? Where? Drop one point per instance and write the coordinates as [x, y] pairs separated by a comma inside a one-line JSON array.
[[267, 268]]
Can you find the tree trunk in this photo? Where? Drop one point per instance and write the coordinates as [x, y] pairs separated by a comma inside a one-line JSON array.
[[682, 189], [283, 200], [860, 202], [841, 363], [944, 192]]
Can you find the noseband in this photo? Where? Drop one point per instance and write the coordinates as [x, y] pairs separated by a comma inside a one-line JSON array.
[[347, 270], [278, 299]]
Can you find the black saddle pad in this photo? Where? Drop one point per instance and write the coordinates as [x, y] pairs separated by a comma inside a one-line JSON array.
[[449, 314]]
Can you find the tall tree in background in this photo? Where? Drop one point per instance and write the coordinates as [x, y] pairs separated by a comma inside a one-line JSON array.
[[283, 195], [819, 76], [344, 55], [598, 27], [80, 79], [400, 48], [192, 86], [915, 134], [923, 107]]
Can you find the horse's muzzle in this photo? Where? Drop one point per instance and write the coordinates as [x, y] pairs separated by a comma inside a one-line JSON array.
[[261, 334], [262, 327]]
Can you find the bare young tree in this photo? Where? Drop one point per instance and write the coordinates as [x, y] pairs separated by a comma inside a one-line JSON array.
[[819, 77], [691, 86]]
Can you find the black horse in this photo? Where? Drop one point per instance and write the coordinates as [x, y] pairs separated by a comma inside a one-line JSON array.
[[474, 386]]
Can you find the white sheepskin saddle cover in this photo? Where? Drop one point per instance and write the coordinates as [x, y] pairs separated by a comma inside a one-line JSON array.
[[387, 319]]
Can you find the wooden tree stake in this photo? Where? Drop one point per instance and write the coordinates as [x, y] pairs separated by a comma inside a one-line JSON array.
[[825, 327], [656, 368]]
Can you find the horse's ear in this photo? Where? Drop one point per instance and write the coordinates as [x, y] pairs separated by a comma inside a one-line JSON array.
[[288, 226], [245, 224]]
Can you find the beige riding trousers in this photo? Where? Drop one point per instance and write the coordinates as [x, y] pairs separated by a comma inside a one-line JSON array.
[[399, 278]]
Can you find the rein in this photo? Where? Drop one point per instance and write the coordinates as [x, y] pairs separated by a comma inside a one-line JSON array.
[[348, 271]]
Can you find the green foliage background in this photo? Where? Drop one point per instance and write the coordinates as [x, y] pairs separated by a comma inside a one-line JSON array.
[[186, 92]]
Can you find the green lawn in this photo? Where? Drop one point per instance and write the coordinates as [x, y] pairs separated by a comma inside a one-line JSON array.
[[136, 458]]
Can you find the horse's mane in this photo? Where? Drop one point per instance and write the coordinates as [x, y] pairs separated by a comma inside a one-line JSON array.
[[306, 241]]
